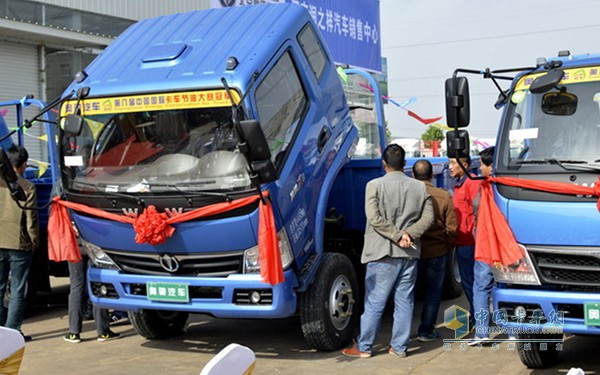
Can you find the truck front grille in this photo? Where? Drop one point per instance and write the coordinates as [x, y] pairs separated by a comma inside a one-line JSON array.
[[576, 268], [221, 264]]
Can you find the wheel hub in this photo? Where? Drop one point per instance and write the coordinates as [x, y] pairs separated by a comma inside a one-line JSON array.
[[341, 302]]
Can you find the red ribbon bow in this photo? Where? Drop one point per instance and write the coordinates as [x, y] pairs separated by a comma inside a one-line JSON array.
[[152, 227]]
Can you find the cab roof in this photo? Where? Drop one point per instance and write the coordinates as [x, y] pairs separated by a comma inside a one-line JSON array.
[[190, 50]]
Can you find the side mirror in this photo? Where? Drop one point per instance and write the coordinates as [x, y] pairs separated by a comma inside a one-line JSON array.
[[547, 81], [73, 124], [559, 103], [457, 143], [8, 175], [254, 144], [457, 102]]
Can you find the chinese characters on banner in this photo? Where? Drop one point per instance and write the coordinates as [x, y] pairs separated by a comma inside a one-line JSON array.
[[351, 28], [152, 102]]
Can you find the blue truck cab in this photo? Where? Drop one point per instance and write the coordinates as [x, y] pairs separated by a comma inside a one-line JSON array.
[[549, 131], [159, 129]]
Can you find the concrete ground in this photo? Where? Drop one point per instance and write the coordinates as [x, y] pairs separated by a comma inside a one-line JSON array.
[[278, 344]]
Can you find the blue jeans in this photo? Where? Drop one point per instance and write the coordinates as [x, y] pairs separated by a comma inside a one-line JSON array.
[[384, 277], [482, 290], [17, 263], [432, 272], [78, 297], [466, 262]]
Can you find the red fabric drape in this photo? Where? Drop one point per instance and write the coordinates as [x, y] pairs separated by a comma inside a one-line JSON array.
[[271, 269], [155, 228], [495, 243], [62, 243]]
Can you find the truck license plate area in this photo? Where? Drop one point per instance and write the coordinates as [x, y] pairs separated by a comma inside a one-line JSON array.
[[592, 314], [167, 292]]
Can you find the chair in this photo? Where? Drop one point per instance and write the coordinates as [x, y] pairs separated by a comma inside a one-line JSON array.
[[11, 350], [234, 359]]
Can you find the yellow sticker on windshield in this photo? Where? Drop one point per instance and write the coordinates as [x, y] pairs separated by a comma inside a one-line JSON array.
[[575, 75], [151, 102], [517, 97]]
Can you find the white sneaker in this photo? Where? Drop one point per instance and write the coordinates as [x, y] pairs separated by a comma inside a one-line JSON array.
[[479, 341]]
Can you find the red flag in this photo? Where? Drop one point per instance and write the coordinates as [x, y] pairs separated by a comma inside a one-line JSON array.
[[425, 121]]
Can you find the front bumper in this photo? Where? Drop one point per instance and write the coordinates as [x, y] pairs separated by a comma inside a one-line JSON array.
[[127, 292], [561, 309]]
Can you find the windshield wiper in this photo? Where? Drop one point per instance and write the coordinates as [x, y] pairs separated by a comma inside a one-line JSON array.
[[111, 194], [566, 164], [194, 194], [582, 167], [550, 161]]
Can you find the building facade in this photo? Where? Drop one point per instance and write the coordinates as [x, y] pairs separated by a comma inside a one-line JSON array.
[[44, 43]]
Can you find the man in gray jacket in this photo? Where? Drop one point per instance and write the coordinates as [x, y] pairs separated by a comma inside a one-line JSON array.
[[398, 211], [19, 239]]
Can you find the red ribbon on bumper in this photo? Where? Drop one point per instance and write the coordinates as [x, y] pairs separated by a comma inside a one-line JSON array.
[[495, 243], [155, 228]]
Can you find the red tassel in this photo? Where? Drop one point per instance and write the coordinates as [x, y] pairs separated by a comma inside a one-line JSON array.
[[271, 269]]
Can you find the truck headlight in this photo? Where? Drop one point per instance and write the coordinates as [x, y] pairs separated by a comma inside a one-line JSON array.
[[251, 256], [522, 272], [98, 256]]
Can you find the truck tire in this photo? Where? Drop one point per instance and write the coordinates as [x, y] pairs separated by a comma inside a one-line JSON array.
[[328, 309], [158, 324], [531, 353], [452, 286]]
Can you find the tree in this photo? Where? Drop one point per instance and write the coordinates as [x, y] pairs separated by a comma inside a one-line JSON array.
[[432, 138], [388, 134], [432, 134]]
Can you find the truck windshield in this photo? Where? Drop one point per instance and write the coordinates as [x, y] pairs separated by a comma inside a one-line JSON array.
[[539, 137], [162, 151]]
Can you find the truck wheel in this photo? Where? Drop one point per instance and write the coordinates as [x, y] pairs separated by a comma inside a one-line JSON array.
[[452, 286], [534, 354], [158, 324], [328, 308]]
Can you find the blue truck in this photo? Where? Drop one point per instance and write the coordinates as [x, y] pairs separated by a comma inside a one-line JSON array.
[[192, 110], [549, 132]]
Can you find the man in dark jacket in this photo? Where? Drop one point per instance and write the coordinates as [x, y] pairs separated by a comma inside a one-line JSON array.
[[20, 233], [436, 243]]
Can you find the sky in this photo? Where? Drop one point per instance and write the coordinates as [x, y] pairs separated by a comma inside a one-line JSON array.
[[426, 40]]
